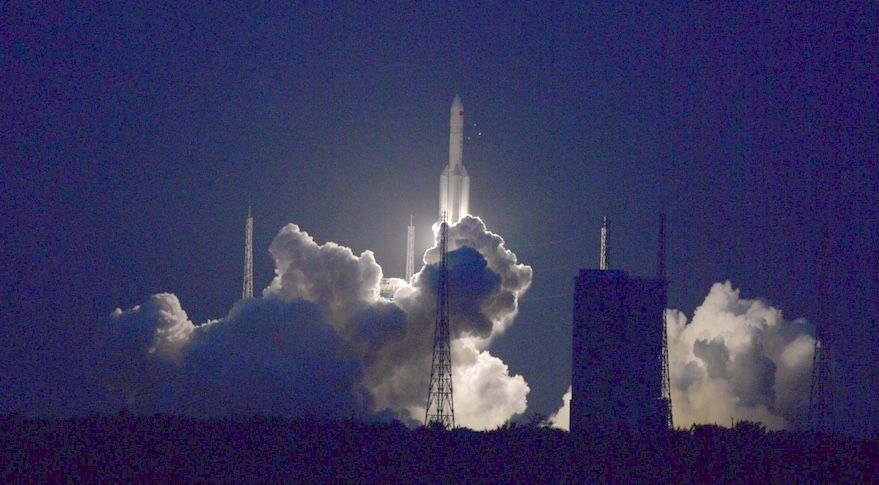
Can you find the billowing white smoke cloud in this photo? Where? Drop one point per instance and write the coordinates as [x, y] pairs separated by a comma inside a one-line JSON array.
[[321, 341], [485, 394], [562, 418], [395, 339], [485, 283], [737, 360], [266, 357], [329, 275]]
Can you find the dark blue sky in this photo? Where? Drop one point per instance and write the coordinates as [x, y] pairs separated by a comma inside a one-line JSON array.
[[133, 139]]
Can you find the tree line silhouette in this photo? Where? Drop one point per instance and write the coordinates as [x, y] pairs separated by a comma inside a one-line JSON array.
[[128, 448]]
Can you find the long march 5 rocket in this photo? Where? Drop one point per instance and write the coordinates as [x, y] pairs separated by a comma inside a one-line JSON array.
[[454, 197]]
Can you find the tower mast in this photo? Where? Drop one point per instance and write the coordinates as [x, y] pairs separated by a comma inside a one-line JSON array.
[[665, 398], [410, 251], [821, 411], [247, 290], [602, 263], [440, 405]]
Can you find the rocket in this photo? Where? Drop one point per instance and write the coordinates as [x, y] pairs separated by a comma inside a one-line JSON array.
[[454, 197]]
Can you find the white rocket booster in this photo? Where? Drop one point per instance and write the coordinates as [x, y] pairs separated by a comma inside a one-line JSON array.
[[454, 182]]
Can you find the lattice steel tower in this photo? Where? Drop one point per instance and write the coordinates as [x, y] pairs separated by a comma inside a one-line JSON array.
[[247, 291], [821, 411], [602, 261], [440, 405], [821, 394], [410, 251], [665, 398]]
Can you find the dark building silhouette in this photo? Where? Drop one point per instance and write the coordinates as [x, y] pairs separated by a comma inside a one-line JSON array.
[[617, 352]]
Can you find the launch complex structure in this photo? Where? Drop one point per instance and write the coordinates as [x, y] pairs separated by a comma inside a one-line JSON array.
[[620, 351], [620, 362], [620, 376]]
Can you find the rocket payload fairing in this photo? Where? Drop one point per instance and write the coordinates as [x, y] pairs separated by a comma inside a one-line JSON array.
[[454, 197]]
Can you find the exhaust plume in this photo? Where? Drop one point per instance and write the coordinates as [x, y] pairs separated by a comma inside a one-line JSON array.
[[321, 341], [266, 357]]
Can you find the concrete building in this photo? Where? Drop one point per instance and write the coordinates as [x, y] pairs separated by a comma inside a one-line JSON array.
[[617, 352]]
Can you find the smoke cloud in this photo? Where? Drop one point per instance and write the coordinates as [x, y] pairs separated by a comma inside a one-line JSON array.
[[738, 359], [266, 357], [485, 282], [562, 418], [321, 341]]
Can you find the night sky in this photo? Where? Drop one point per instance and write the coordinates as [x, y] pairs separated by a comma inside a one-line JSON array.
[[133, 139]]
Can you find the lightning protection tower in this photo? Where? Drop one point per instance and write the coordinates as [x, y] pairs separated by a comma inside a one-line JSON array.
[[821, 411], [602, 262], [820, 394], [440, 405], [410, 251], [665, 398], [247, 291]]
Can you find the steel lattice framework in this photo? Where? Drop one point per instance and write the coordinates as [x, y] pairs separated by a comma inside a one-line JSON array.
[[821, 411], [247, 290], [410, 251], [821, 393], [602, 261], [440, 404], [666, 375]]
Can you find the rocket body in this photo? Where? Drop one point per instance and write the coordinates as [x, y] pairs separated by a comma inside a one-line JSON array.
[[456, 133], [454, 200]]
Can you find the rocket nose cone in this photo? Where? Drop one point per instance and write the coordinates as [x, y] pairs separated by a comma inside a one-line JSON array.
[[457, 106]]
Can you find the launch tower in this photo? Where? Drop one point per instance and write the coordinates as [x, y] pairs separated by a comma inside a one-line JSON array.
[[440, 405]]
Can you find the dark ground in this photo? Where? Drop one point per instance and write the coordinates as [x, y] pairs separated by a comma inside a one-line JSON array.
[[128, 448]]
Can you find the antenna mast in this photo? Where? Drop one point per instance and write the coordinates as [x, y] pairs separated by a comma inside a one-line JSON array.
[[440, 406], [410, 251], [247, 291], [602, 262], [665, 398]]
